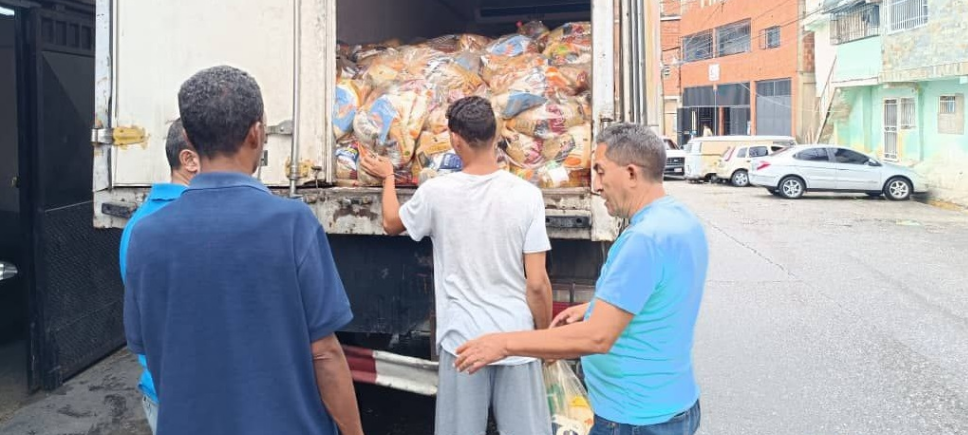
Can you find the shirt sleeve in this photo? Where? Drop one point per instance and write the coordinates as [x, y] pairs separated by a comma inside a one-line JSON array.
[[417, 215], [132, 312], [324, 300], [536, 237], [632, 275]]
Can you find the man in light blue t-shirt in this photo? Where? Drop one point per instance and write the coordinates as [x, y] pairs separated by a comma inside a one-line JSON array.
[[635, 338], [184, 165]]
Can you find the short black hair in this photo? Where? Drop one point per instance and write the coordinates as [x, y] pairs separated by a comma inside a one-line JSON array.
[[175, 144], [472, 118], [218, 106], [635, 144]]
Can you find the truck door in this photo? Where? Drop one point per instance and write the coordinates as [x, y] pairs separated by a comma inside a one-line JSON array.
[[75, 288], [155, 46]]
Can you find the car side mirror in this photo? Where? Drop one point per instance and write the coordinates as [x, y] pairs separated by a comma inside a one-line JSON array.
[[873, 163], [7, 270]]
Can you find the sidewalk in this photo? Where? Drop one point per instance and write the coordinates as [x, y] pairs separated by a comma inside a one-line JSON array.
[[103, 400]]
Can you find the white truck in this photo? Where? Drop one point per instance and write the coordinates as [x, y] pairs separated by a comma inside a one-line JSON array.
[[145, 50]]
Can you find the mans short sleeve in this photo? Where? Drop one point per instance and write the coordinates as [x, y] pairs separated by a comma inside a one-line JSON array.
[[536, 237], [631, 277], [132, 318], [417, 215], [324, 299]]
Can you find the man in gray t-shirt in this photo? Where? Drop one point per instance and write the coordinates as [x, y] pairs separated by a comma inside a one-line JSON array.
[[490, 241]]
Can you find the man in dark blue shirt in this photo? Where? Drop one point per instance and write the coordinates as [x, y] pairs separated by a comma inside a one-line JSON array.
[[232, 293]]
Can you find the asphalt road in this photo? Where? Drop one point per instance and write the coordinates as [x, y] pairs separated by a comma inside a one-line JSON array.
[[829, 315]]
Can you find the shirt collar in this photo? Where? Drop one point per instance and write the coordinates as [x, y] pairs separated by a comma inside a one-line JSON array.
[[641, 213], [218, 180], [166, 191]]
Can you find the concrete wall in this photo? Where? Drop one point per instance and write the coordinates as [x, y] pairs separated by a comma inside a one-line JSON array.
[[938, 48], [858, 60], [945, 161]]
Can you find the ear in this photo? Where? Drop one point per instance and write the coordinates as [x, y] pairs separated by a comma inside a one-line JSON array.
[[189, 161], [632, 172], [257, 135]]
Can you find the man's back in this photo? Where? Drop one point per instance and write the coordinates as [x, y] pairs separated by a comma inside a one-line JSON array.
[[229, 286], [481, 226]]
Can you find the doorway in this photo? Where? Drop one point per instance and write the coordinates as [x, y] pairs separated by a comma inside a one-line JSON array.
[[13, 292]]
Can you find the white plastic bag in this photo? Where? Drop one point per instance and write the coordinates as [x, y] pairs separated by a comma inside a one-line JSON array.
[[571, 414]]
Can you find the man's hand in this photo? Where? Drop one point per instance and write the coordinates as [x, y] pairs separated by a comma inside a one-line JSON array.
[[377, 166], [571, 315], [477, 354]]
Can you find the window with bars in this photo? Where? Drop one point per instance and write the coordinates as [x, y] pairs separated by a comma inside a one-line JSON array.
[[770, 38], [951, 114], [733, 38], [856, 23], [698, 46], [907, 117], [908, 14]]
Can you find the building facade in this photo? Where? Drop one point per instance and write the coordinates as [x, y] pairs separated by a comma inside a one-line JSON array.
[[746, 68], [671, 16], [894, 76]]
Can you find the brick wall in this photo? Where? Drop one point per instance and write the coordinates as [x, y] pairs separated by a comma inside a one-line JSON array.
[[809, 52]]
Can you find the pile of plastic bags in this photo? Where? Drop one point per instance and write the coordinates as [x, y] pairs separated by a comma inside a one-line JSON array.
[[391, 100]]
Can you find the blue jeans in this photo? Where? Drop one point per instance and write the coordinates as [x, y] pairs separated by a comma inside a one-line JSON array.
[[684, 423]]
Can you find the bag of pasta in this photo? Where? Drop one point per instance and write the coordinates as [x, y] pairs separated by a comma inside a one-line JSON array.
[[549, 120], [391, 121]]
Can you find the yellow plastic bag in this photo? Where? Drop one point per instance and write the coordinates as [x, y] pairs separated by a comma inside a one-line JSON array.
[[571, 413]]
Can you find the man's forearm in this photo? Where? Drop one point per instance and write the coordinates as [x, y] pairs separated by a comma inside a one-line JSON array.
[[566, 342], [540, 302], [335, 385], [391, 208]]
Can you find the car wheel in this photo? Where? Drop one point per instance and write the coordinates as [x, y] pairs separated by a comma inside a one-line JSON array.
[[792, 187], [740, 178], [898, 189]]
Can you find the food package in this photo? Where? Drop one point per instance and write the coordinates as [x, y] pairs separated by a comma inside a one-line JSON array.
[[512, 45], [350, 95], [577, 77], [579, 32], [347, 157], [550, 119], [499, 67], [390, 122], [470, 60], [435, 156], [571, 413], [452, 82], [523, 151], [568, 52], [458, 43], [382, 69], [510, 104], [535, 30]]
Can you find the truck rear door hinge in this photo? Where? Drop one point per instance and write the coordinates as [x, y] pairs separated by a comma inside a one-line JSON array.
[[284, 128], [122, 210], [119, 136]]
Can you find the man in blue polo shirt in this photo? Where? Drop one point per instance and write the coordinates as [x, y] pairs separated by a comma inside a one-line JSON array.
[[184, 165], [635, 338], [233, 295]]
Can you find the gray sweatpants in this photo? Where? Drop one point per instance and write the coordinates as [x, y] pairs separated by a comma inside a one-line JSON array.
[[516, 394]]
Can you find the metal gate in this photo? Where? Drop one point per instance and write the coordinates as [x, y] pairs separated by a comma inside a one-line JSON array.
[[890, 129], [774, 110], [76, 294]]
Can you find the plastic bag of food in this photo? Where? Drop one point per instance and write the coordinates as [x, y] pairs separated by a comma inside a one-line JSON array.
[[571, 412], [457, 43], [452, 82], [579, 31], [533, 29], [568, 52], [549, 120], [470, 60], [523, 151], [578, 77], [350, 95], [512, 45], [510, 104], [497, 67], [435, 156], [390, 122], [347, 157], [383, 69]]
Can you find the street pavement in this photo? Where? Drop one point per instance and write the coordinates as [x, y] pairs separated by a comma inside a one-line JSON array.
[[828, 315]]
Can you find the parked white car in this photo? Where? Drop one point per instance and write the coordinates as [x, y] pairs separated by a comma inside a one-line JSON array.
[[675, 159], [735, 163], [796, 170]]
